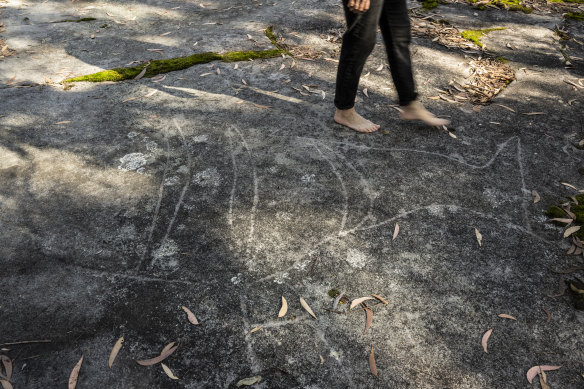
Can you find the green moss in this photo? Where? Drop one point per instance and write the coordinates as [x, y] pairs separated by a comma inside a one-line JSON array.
[[574, 16], [161, 66], [581, 171], [429, 4], [566, 1], [502, 59], [334, 292], [556, 212], [512, 5], [75, 20], [476, 35]]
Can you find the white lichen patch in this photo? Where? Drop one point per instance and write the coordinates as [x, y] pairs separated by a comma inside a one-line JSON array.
[[307, 178], [209, 178], [200, 139], [357, 259], [132, 134], [280, 279], [164, 255], [133, 161], [171, 181]]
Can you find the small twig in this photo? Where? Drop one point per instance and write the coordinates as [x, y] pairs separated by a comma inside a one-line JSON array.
[[27, 342], [24, 359], [569, 270]]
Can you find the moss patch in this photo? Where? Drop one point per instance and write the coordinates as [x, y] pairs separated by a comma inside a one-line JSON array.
[[476, 35], [429, 4], [333, 293], [574, 16], [512, 5], [168, 65], [557, 212], [502, 60], [566, 1]]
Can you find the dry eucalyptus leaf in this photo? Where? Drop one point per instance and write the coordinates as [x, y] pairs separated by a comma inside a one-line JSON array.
[[367, 75], [168, 371], [190, 315], [368, 319], [451, 135], [243, 81], [166, 33], [479, 237], [323, 94], [505, 316], [129, 99], [292, 64], [378, 297], [562, 220], [485, 339], [5, 384], [250, 37], [536, 196], [160, 358], [64, 122], [507, 108], [75, 374], [235, 66], [571, 230], [532, 372], [358, 301], [167, 347], [115, 350], [256, 329], [372, 365], [305, 306], [284, 308], [575, 289], [218, 71], [151, 93], [395, 231], [249, 381], [282, 67], [141, 74], [568, 185], [365, 92], [7, 362], [380, 68], [543, 380]]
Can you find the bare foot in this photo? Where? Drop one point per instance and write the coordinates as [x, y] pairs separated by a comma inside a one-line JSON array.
[[351, 119], [416, 111]]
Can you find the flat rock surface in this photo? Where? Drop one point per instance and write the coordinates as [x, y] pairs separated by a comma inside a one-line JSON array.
[[226, 186]]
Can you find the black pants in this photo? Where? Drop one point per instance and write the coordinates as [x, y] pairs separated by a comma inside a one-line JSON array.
[[358, 42]]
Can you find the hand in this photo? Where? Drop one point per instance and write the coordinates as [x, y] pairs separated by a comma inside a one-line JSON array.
[[358, 6]]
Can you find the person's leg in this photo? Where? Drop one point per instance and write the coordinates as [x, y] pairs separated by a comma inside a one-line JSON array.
[[358, 42], [395, 28]]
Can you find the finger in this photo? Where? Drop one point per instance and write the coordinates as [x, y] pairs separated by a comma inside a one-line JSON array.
[[365, 5], [351, 4]]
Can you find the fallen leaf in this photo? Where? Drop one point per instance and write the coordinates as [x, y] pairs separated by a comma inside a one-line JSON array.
[[141, 74], [250, 37], [284, 308], [7, 362], [256, 329], [115, 350], [562, 220], [158, 78], [129, 99], [75, 374], [358, 301], [533, 113], [372, 365], [380, 68], [378, 297], [5, 384], [305, 306], [205, 74], [166, 33], [151, 93], [536, 196], [367, 75], [575, 289], [543, 380], [323, 94], [505, 316], [282, 67], [532, 372], [485, 339], [160, 358], [64, 122], [249, 381], [549, 317], [167, 347], [395, 231], [569, 185], [571, 250], [322, 360], [292, 64], [190, 315], [218, 71], [368, 319], [507, 108], [451, 135], [235, 66], [365, 92], [479, 237], [168, 371], [243, 81], [571, 230]]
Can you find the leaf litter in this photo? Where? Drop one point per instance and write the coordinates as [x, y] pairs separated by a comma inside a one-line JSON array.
[[115, 350], [307, 307], [485, 339], [372, 365], [284, 308], [75, 374], [168, 372], [505, 316], [532, 372], [359, 300], [160, 358]]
